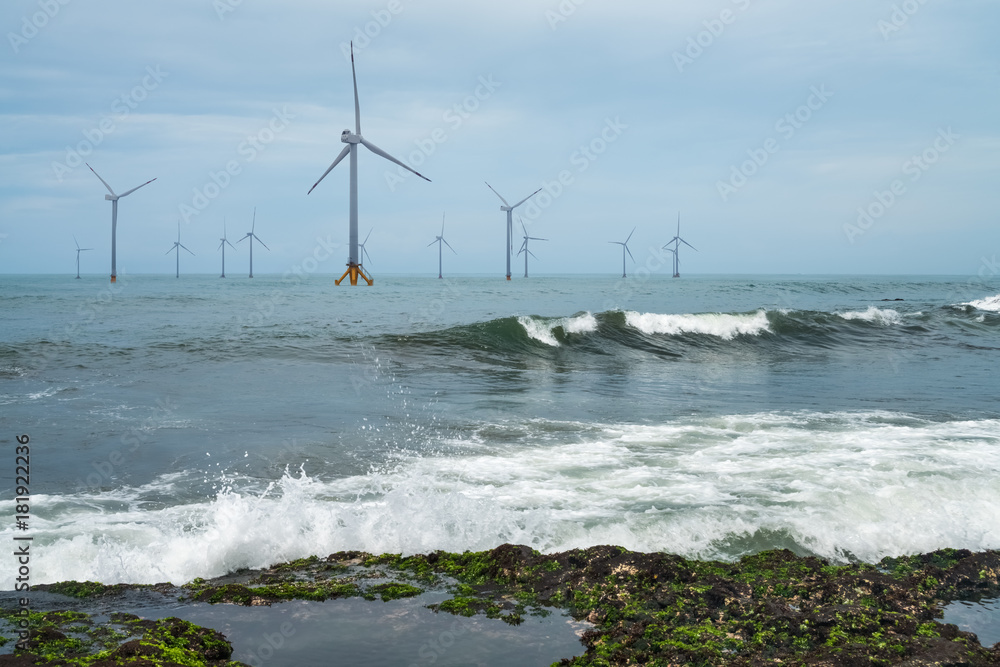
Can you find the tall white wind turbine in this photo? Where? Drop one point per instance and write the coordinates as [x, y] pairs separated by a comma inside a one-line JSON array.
[[250, 235], [113, 198], [223, 243], [524, 247], [677, 241], [78, 251], [624, 250], [177, 247], [439, 240], [510, 220], [354, 268]]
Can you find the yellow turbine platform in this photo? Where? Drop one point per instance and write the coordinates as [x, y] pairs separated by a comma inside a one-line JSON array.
[[355, 270]]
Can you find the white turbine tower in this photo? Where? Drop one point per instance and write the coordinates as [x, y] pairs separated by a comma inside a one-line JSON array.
[[78, 251], [624, 250], [510, 220], [250, 235], [223, 242], [524, 246], [113, 198], [354, 268], [677, 241], [439, 240], [177, 247]]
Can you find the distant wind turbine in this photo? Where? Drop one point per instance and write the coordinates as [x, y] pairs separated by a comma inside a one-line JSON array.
[[624, 250], [439, 240], [677, 241], [510, 220], [78, 251], [250, 235], [524, 247], [177, 247], [223, 243], [113, 198], [354, 268], [361, 246]]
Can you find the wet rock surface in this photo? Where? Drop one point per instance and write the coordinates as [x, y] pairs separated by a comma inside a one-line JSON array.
[[645, 609]]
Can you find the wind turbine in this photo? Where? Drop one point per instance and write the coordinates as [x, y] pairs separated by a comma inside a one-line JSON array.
[[78, 251], [177, 246], [250, 235], [223, 242], [510, 220], [113, 198], [524, 247], [354, 268], [624, 250], [364, 251], [439, 240], [677, 241]]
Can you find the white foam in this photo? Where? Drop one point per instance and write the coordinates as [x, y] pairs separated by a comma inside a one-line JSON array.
[[839, 484], [543, 330], [885, 317], [721, 325], [991, 303]]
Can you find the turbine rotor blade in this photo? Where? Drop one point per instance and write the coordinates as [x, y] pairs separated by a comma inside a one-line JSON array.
[[357, 105], [449, 246], [527, 198], [433, 242], [378, 151], [261, 242], [688, 245], [630, 235], [343, 154], [630, 253], [102, 180], [126, 194], [186, 248], [498, 195], [369, 236]]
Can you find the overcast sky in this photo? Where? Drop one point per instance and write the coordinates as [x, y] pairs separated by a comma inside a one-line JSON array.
[[830, 136]]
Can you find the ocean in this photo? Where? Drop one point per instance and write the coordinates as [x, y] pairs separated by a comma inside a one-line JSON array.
[[190, 427]]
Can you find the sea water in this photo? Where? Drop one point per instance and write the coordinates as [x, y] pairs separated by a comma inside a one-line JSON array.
[[184, 428]]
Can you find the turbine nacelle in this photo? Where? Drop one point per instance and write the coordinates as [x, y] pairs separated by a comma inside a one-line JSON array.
[[349, 137], [111, 197]]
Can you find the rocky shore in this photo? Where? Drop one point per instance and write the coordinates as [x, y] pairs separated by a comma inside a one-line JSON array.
[[644, 609]]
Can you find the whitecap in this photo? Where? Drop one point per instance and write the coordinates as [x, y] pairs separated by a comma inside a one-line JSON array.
[[721, 325]]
